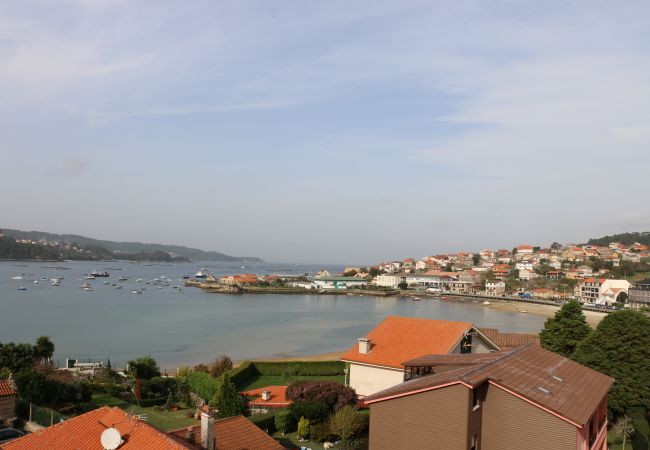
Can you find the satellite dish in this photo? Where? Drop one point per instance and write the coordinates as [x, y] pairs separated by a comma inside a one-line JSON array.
[[111, 439]]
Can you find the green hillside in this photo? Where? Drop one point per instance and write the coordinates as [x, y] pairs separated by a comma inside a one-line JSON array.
[[624, 238]]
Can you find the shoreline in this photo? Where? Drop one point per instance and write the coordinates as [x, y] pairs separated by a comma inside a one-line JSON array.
[[593, 317]]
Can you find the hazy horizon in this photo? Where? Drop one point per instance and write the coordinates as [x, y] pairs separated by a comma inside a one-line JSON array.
[[344, 133]]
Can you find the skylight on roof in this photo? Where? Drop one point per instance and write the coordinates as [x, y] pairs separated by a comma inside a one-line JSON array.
[[544, 390], [556, 378]]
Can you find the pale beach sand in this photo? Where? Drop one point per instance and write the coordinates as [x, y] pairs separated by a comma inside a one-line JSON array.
[[593, 317]]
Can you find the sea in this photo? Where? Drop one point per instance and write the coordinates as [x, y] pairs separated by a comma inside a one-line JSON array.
[[180, 325]]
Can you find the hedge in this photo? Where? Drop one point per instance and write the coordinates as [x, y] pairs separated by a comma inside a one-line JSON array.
[[244, 374], [202, 384], [146, 402], [265, 422], [304, 368]]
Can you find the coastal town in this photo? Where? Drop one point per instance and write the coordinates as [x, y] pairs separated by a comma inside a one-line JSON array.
[[598, 276]]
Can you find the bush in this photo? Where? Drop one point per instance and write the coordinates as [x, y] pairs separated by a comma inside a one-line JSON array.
[[335, 395], [221, 365], [314, 411], [320, 432], [303, 428], [36, 388], [347, 424], [304, 368], [158, 387], [264, 421], [202, 384], [144, 368], [284, 422], [641, 436]]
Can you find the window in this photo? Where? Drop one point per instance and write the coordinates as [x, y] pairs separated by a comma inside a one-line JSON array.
[[466, 344], [474, 443]]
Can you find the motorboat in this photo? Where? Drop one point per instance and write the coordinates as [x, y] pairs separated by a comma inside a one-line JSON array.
[[56, 283], [202, 273], [135, 291], [22, 288], [486, 303], [17, 277], [35, 281], [87, 289], [84, 286], [100, 273], [89, 277]]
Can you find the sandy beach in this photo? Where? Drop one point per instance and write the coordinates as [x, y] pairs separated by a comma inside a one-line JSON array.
[[593, 317]]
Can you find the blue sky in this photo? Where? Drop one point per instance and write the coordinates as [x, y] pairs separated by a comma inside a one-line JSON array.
[[345, 132]]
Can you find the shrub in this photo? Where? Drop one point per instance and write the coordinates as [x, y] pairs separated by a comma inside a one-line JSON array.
[[335, 395], [35, 387], [314, 411], [146, 402], [303, 428], [320, 432], [284, 422], [202, 384], [347, 423], [158, 387]]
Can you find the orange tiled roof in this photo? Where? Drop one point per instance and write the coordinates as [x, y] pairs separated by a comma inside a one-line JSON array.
[[6, 388], [233, 433], [278, 397], [508, 341], [399, 339], [83, 433], [524, 247]]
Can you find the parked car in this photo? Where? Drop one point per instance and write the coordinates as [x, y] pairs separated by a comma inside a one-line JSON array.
[[9, 434]]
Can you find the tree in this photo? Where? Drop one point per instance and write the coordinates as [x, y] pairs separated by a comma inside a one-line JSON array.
[[144, 368], [221, 365], [333, 394], [201, 368], [284, 422], [563, 332], [619, 347], [16, 357], [44, 349], [303, 428], [346, 423], [624, 427], [170, 401], [403, 285], [476, 259], [226, 400]]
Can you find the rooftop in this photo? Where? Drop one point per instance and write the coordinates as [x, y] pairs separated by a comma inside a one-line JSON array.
[[84, 431], [277, 398], [6, 388], [544, 378], [232, 433], [398, 339]]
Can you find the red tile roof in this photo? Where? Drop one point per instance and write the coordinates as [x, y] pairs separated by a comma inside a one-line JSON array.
[[278, 397], [544, 378], [233, 433], [6, 388], [398, 339], [507, 341], [83, 433]]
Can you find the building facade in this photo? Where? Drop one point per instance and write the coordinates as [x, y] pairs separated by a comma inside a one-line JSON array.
[[639, 295]]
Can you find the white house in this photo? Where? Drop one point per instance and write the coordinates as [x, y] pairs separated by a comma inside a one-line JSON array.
[[496, 288], [339, 282], [375, 362], [602, 291], [390, 280]]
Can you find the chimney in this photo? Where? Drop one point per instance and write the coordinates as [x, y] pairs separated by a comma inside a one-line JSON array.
[[190, 434], [364, 345], [266, 395], [207, 430]]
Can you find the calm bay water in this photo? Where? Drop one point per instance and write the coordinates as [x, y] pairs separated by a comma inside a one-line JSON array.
[[192, 326]]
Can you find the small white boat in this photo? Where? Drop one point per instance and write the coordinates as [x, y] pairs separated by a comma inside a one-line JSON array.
[[106, 282], [17, 277], [88, 289], [139, 280], [122, 279], [136, 292], [84, 286], [202, 273], [486, 303], [56, 283], [22, 288], [89, 277], [523, 310], [35, 281], [118, 287]]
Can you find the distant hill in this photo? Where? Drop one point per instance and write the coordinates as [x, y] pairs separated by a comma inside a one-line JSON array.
[[623, 238], [128, 249]]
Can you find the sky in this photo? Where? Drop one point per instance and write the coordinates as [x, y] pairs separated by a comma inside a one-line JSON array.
[[335, 132]]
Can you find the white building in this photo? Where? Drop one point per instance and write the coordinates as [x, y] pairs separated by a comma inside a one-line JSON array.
[[389, 280], [495, 288], [602, 291], [338, 282], [375, 362]]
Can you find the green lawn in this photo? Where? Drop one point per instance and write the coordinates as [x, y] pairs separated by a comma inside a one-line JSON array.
[[165, 420], [615, 442], [276, 380]]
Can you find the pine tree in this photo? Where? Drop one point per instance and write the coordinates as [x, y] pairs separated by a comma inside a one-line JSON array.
[[620, 348], [303, 428], [226, 400], [563, 332]]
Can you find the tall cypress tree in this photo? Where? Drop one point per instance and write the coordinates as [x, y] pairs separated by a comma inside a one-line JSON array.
[[563, 332], [226, 400]]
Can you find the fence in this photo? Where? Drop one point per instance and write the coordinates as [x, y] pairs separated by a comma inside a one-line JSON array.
[[45, 416]]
